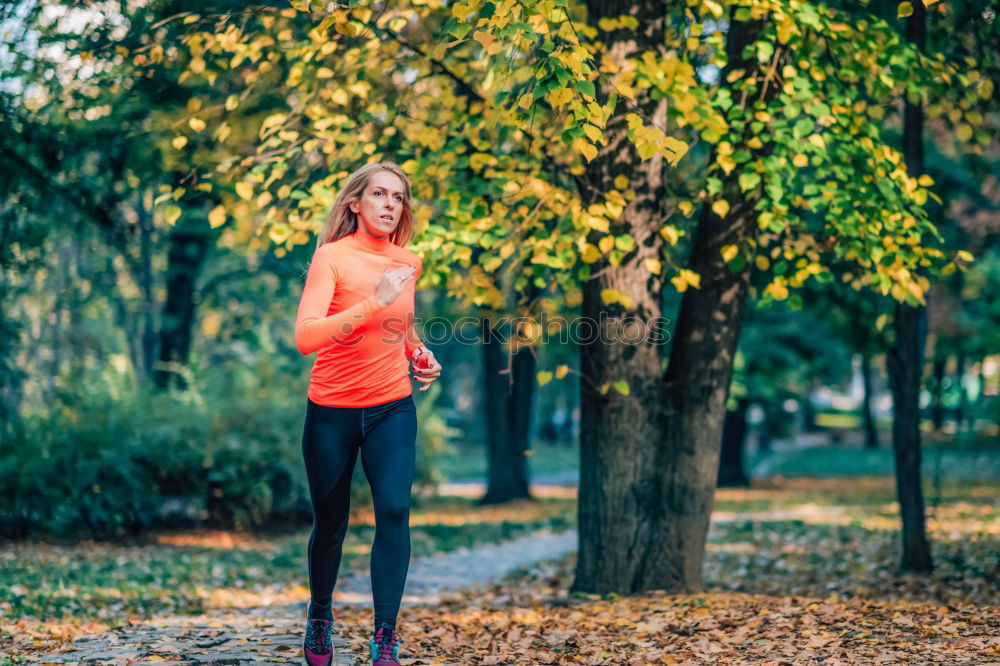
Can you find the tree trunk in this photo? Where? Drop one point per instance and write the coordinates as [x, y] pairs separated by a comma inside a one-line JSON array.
[[905, 360], [184, 260], [649, 459], [871, 431], [963, 395], [732, 472], [508, 418], [149, 335], [937, 409]]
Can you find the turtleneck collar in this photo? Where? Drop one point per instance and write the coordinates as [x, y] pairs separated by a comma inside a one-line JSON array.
[[369, 243]]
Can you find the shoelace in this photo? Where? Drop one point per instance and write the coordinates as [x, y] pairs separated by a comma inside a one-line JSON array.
[[387, 640], [319, 636]]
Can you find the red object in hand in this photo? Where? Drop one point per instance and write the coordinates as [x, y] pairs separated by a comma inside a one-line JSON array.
[[424, 361]]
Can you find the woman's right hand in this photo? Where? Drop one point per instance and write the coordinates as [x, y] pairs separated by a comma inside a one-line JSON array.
[[391, 283]]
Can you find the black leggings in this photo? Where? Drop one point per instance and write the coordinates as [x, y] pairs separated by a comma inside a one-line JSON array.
[[386, 435]]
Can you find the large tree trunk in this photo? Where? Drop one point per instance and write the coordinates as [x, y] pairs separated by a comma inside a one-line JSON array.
[[906, 358], [871, 431], [508, 418], [184, 260], [649, 459], [732, 471]]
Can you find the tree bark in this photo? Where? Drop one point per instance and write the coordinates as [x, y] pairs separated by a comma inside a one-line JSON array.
[[184, 260], [649, 459], [508, 418], [150, 337], [963, 395], [871, 431], [732, 471], [937, 409], [905, 360]]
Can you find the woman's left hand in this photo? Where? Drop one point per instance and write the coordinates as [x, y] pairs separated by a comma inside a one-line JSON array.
[[428, 374]]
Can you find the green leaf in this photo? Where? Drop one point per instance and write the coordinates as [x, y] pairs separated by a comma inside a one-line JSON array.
[[586, 87], [622, 386], [748, 180], [459, 30]]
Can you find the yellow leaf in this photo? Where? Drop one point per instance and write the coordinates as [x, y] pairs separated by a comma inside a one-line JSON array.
[[621, 182], [609, 296], [692, 278], [461, 10], [217, 217], [245, 190], [232, 102], [526, 100], [478, 160], [905, 9], [171, 214], [560, 96], [197, 124], [625, 90], [653, 266], [964, 132], [279, 233], [340, 96], [179, 142], [590, 254], [324, 73], [588, 150], [598, 223], [720, 207], [728, 252], [777, 291], [561, 371], [762, 262], [606, 243], [544, 378], [669, 234], [817, 140], [222, 132], [594, 134], [800, 160]]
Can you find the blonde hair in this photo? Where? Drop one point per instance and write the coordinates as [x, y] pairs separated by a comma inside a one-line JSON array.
[[342, 221]]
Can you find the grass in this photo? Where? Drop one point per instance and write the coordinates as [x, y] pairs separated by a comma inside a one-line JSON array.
[[969, 464], [469, 462]]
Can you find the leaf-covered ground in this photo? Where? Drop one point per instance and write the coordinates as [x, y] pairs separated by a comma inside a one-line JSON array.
[[796, 571]]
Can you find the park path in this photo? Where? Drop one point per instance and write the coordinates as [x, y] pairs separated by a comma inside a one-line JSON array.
[[274, 633]]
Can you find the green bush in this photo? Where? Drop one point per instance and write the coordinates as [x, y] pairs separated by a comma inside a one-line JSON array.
[[114, 460]]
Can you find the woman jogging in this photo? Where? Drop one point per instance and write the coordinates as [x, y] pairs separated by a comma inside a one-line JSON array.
[[357, 312]]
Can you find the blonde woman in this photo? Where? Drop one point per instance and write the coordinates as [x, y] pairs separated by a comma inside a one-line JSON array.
[[356, 311]]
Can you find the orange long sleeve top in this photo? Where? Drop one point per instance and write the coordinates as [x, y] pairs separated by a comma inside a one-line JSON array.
[[363, 347]]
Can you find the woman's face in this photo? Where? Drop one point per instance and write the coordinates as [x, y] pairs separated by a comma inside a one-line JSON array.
[[381, 204]]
